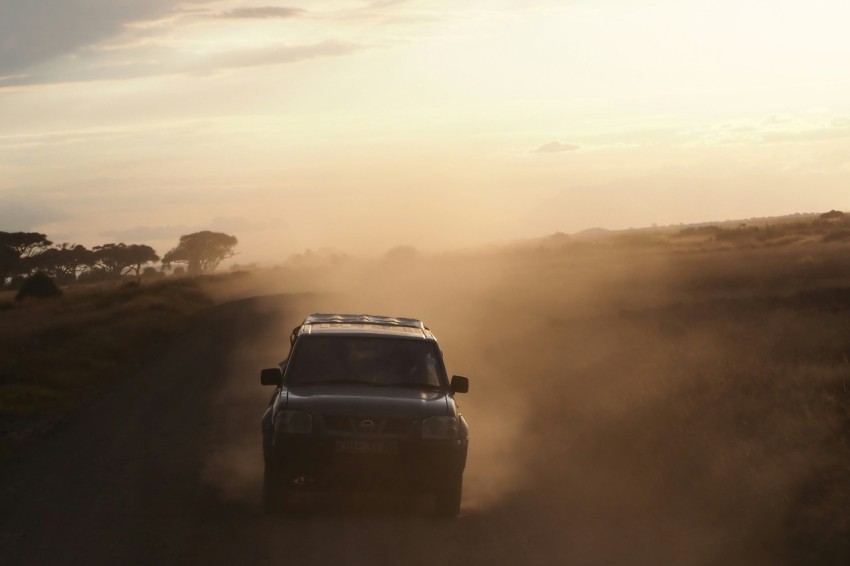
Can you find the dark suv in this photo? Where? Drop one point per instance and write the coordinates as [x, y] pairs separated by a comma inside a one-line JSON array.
[[364, 402]]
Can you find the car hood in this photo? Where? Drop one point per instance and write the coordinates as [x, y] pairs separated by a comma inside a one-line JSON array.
[[366, 401]]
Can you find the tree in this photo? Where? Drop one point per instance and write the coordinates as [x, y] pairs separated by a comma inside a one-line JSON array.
[[120, 259], [8, 263], [202, 251], [832, 215], [138, 255], [64, 263], [16, 247], [26, 244]]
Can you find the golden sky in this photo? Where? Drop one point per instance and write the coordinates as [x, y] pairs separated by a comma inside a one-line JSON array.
[[360, 125]]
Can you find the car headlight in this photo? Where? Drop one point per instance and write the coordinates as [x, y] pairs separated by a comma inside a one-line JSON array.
[[440, 427], [293, 422]]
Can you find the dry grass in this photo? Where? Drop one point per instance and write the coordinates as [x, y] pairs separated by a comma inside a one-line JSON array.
[[56, 353], [696, 402], [665, 399], [655, 403]]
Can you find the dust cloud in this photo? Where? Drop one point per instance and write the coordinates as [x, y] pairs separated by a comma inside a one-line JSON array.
[[629, 408]]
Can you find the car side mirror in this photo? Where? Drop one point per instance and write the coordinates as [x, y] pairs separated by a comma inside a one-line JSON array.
[[460, 384], [271, 376]]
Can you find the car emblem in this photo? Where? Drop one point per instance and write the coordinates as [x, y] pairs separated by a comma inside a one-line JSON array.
[[367, 425]]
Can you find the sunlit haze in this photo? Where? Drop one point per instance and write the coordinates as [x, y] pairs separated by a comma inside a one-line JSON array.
[[360, 126]]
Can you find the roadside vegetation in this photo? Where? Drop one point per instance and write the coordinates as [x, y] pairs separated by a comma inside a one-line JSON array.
[[24, 254], [677, 395], [673, 395], [73, 319], [688, 390], [705, 397], [56, 353]]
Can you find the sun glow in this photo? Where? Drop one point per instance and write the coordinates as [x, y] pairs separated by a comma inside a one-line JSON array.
[[518, 115]]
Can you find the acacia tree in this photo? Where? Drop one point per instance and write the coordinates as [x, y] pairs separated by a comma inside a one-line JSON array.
[[202, 251], [120, 259], [138, 255], [15, 248], [64, 263], [8, 263], [25, 244]]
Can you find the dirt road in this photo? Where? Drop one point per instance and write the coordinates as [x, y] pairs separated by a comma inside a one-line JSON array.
[[166, 468]]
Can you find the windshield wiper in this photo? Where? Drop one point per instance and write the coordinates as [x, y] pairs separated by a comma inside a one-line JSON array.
[[407, 384], [340, 381]]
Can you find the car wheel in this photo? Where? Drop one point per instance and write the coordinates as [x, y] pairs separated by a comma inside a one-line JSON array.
[[448, 496]]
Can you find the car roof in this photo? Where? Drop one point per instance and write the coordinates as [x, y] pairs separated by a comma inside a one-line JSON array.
[[364, 324]]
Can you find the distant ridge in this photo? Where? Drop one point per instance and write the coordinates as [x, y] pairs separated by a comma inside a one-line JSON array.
[[592, 233], [599, 232]]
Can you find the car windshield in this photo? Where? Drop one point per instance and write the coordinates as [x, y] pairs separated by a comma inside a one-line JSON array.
[[366, 360]]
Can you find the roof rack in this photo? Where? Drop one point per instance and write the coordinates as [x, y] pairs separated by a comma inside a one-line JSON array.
[[318, 318]]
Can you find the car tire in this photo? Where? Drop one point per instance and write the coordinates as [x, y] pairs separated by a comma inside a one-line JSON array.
[[448, 497]]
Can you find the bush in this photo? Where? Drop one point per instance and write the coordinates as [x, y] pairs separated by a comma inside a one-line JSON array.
[[94, 276], [39, 286], [152, 273]]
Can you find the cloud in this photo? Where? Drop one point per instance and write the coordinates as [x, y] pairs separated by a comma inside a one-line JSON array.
[[386, 3], [44, 42], [277, 55], [19, 216], [815, 134], [149, 233], [238, 224], [34, 31], [263, 12], [235, 225], [100, 67], [382, 12], [555, 147]]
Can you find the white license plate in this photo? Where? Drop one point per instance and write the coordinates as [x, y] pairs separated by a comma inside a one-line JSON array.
[[366, 447]]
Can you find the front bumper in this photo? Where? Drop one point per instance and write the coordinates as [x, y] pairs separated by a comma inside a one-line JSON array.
[[328, 462]]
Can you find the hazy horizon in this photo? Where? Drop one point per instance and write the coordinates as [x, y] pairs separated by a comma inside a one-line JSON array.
[[363, 125]]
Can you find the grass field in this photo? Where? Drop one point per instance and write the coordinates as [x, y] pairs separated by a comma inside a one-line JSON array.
[[57, 353], [702, 394], [675, 387], [710, 399], [694, 399]]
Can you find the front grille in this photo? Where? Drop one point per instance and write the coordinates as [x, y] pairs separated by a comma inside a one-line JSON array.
[[397, 426], [367, 425], [338, 424]]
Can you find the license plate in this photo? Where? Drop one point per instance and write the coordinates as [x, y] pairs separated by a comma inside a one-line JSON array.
[[366, 447]]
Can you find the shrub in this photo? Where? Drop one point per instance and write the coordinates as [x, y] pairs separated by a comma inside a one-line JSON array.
[[94, 276], [39, 286], [152, 273]]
